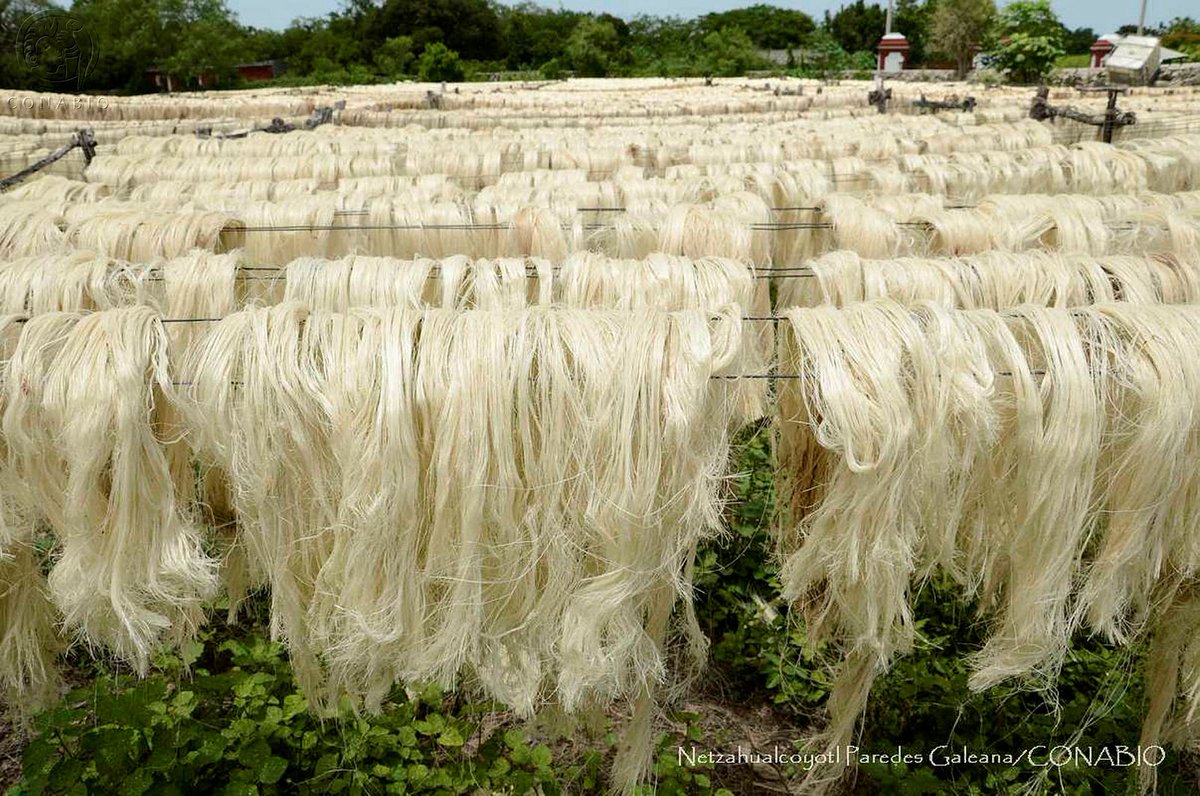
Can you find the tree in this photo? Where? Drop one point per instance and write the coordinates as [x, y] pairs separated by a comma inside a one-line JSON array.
[[40, 49], [1078, 41], [960, 27], [1183, 34], [824, 55], [128, 33], [439, 64], [532, 35], [663, 46], [394, 56], [185, 38], [592, 46], [727, 53], [469, 27], [317, 45], [1028, 38], [857, 26], [914, 18], [208, 42], [766, 26]]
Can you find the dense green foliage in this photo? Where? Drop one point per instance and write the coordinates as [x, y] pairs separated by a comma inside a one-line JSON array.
[[856, 27], [1029, 39], [199, 43], [766, 26], [439, 64], [960, 27], [235, 724], [759, 654], [1183, 34], [224, 716]]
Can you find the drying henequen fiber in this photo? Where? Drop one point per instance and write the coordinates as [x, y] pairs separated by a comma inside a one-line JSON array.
[[996, 280], [900, 400], [1056, 438], [71, 281], [584, 281], [257, 413], [1172, 677], [204, 285], [1012, 450], [1148, 545], [80, 425], [508, 498], [29, 640], [677, 283]]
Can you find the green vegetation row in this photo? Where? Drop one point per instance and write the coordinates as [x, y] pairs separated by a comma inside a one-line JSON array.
[[201, 41], [225, 716]]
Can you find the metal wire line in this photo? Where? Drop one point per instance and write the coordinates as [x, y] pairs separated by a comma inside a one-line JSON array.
[[765, 227]]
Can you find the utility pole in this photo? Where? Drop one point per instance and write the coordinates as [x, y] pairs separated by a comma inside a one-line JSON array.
[[880, 95]]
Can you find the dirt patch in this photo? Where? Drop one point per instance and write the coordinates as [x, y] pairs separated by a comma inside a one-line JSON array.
[[12, 745], [755, 730]]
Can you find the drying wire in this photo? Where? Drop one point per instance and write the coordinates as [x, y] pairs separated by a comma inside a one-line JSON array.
[[781, 226]]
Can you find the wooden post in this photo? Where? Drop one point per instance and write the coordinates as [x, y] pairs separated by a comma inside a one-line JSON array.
[[1110, 116]]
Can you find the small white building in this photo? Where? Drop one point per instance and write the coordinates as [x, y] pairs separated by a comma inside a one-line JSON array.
[[893, 53], [1131, 59]]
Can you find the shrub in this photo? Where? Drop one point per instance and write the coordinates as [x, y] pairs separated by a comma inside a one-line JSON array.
[[394, 56], [439, 64], [225, 715], [1027, 41]]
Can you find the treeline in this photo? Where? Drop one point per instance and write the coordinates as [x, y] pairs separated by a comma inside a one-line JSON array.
[[111, 45]]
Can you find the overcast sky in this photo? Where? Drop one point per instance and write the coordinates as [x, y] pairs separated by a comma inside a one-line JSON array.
[[1103, 16]]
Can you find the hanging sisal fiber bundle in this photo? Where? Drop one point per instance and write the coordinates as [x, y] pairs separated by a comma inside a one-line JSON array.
[[256, 402], [55, 188], [323, 284], [664, 281], [722, 229], [888, 404], [453, 282], [1147, 546], [676, 283], [1051, 438], [751, 211], [996, 280], [436, 229], [506, 496], [631, 235], [1032, 454], [860, 228], [29, 640], [1066, 222], [202, 285], [27, 229], [536, 232], [199, 285], [799, 191], [71, 281], [280, 232], [80, 424], [1173, 676], [145, 236], [505, 283], [952, 232]]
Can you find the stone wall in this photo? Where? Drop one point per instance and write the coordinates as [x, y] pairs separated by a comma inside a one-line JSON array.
[[1169, 75]]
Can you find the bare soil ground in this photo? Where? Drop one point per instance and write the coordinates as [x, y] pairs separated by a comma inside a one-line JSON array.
[[12, 743]]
